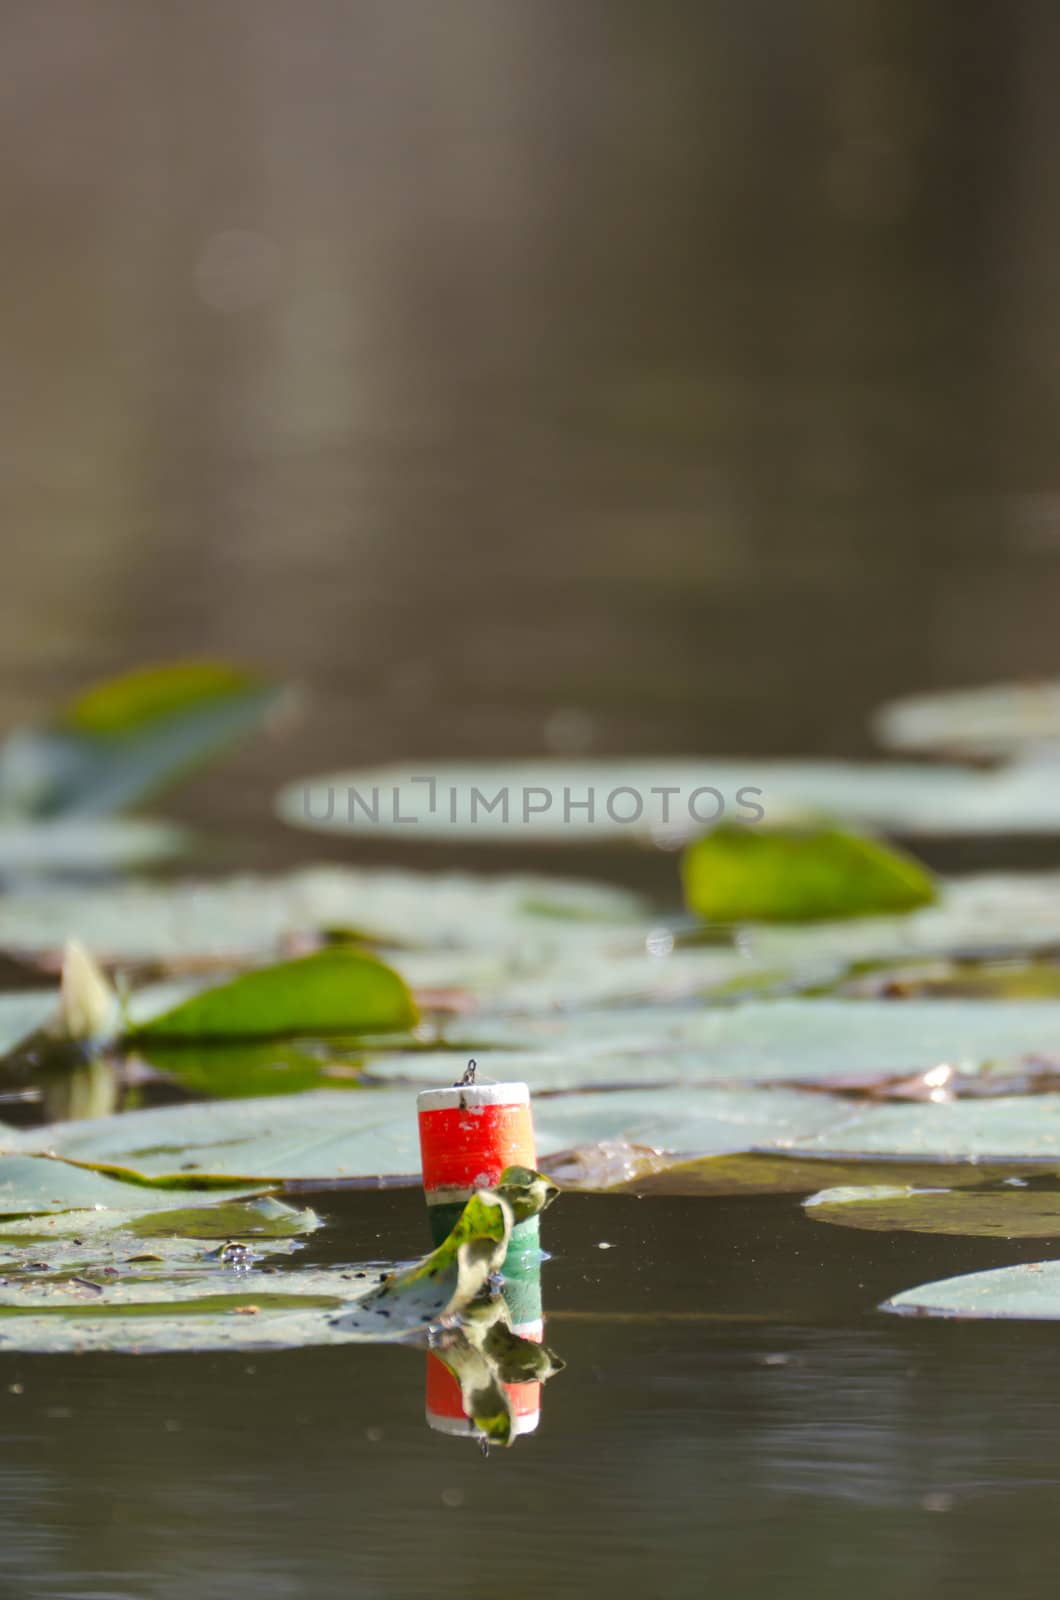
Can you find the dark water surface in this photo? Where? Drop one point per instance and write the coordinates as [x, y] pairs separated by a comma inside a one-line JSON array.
[[733, 1414]]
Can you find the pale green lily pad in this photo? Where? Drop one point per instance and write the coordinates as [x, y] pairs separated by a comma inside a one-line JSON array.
[[987, 1213], [251, 917], [265, 1218], [34, 1184], [334, 990], [1013, 1129], [125, 739], [764, 874], [88, 845], [761, 1041], [909, 798], [177, 1296], [22, 1014], [1029, 1292], [331, 1135], [997, 720]]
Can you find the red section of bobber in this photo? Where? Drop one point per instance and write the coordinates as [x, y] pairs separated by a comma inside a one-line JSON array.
[[469, 1135], [445, 1401]]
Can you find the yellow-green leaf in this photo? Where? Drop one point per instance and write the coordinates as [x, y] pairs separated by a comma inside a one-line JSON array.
[[753, 874], [337, 990]]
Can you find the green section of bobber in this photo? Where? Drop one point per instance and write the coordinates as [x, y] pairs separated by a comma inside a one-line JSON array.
[[521, 1273]]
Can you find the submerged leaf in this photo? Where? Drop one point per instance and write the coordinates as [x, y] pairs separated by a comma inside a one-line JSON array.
[[336, 990], [750, 874], [124, 739]]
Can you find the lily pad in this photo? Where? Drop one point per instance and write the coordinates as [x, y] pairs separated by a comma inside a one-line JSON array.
[[335, 990], [664, 801], [85, 846], [178, 1297], [250, 917], [997, 720], [616, 1166], [746, 874], [1028, 1292], [35, 1184], [982, 1212], [334, 1135], [761, 1041], [263, 1218], [126, 738]]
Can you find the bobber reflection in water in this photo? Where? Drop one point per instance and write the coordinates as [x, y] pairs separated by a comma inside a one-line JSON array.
[[484, 1378]]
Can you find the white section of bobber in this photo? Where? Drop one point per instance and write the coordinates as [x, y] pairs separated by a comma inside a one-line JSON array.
[[474, 1094]]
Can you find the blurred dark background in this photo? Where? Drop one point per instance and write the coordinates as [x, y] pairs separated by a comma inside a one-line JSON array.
[[520, 374]]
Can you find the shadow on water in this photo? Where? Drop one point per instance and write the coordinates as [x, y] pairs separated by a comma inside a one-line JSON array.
[[733, 1411]]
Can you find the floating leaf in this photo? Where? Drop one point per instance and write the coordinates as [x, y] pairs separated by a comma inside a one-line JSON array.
[[1029, 1292], [616, 1165], [22, 1014], [124, 739], [251, 917], [35, 1184], [85, 846], [761, 1041], [443, 1283], [261, 1218], [334, 1135], [665, 800], [997, 720], [176, 1296], [989, 1213], [335, 990], [744, 874]]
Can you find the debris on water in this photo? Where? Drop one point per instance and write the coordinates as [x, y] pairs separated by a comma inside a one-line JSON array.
[[233, 1254]]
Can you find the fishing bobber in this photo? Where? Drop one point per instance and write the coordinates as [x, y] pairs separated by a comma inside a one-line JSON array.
[[445, 1403], [468, 1135]]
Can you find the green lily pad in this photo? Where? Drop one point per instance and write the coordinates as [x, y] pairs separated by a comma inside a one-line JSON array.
[[125, 739], [1029, 1292], [748, 874], [988, 1213], [335, 990]]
